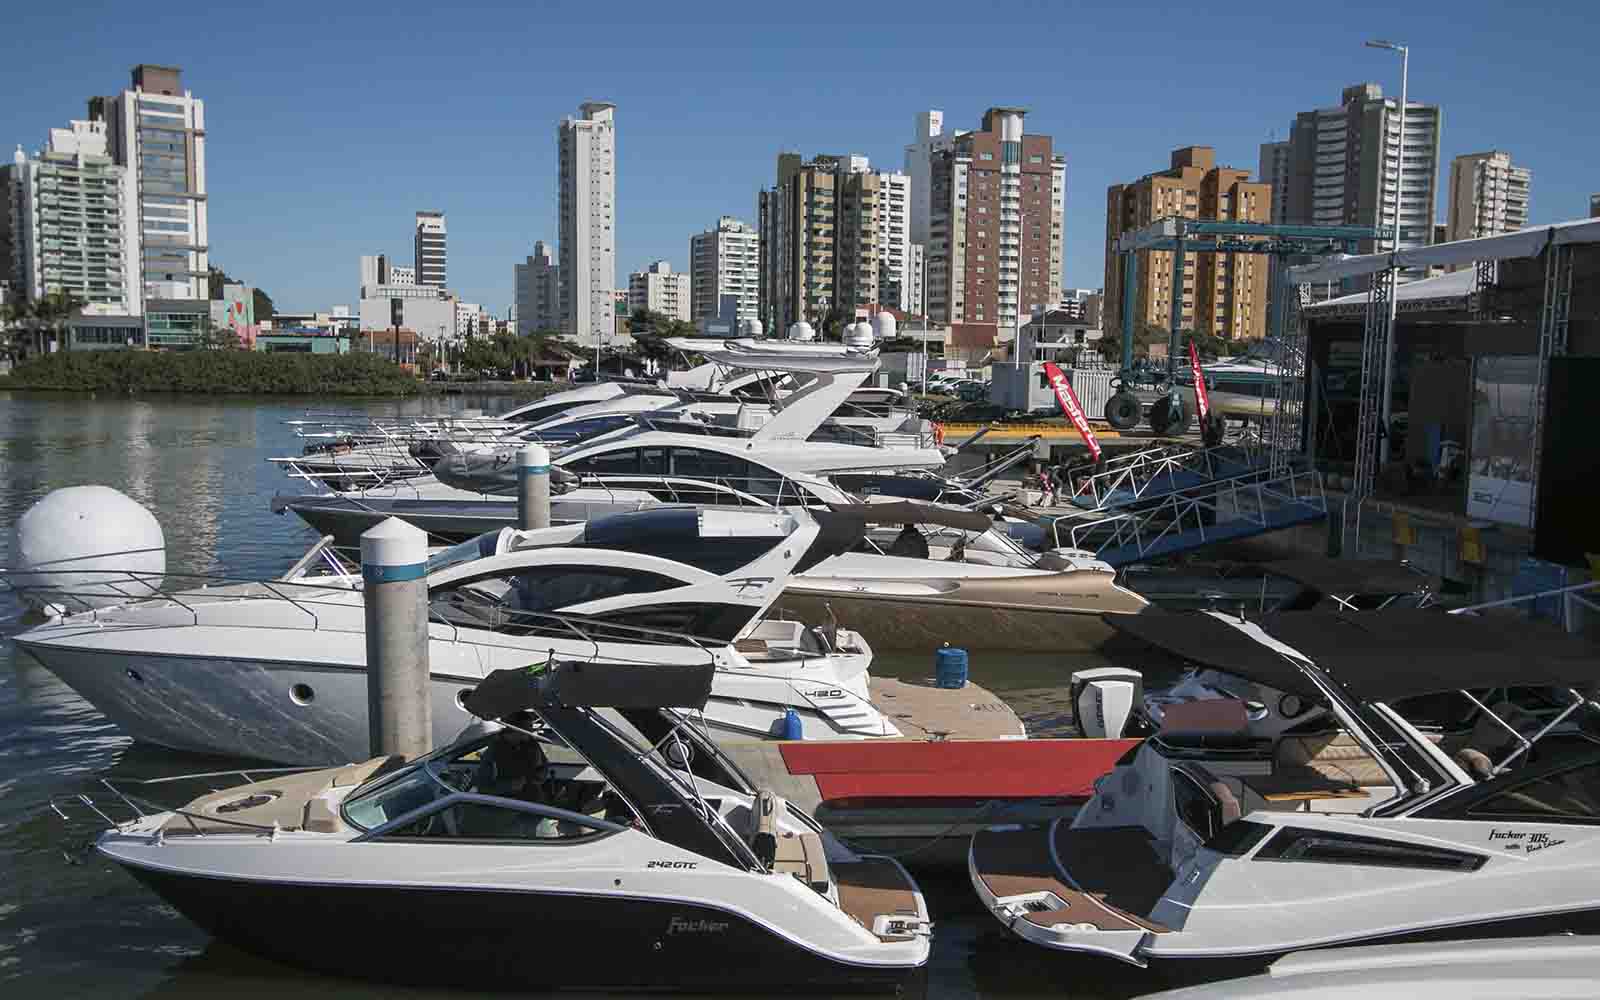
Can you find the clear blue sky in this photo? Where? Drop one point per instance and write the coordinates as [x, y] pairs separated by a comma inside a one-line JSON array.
[[328, 127]]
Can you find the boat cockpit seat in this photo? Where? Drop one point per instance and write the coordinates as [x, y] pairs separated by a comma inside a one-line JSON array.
[[803, 856], [762, 834], [1228, 808], [1335, 757], [910, 543]]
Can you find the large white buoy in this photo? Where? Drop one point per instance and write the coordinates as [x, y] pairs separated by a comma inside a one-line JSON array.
[[67, 546]]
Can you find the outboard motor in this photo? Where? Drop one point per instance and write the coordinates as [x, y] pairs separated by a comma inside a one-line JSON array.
[[1104, 700]]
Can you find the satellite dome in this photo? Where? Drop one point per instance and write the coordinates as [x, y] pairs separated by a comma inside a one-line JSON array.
[[802, 331], [884, 326], [750, 328], [858, 335]]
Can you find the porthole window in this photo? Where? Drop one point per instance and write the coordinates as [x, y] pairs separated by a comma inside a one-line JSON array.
[[302, 694]]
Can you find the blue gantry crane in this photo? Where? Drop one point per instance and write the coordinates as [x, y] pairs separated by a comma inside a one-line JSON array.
[[1181, 237]]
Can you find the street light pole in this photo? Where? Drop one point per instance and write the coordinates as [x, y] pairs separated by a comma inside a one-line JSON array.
[[1387, 410]]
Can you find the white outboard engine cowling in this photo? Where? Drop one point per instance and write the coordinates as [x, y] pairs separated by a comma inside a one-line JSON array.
[[1104, 699]]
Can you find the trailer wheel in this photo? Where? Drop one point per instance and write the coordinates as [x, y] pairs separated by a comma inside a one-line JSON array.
[[1123, 411]]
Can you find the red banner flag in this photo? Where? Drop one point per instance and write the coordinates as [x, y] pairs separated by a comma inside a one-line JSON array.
[[1070, 406], [1201, 402]]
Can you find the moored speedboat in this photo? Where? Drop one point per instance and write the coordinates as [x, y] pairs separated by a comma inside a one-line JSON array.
[[561, 850], [277, 670], [1487, 833]]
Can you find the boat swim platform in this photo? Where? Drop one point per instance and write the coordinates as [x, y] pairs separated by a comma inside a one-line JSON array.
[[923, 800]]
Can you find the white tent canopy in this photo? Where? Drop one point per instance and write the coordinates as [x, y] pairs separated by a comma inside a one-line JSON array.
[[1443, 290], [1522, 243]]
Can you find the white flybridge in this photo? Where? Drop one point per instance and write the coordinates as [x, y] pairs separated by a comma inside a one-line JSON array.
[[276, 670]]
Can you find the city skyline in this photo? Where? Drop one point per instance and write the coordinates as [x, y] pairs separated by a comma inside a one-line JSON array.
[[308, 171]]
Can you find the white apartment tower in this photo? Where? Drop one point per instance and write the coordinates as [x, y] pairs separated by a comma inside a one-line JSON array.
[[659, 290], [931, 138], [429, 250], [70, 230], [538, 292], [724, 261], [588, 194], [894, 240], [916, 280], [1488, 196], [156, 131]]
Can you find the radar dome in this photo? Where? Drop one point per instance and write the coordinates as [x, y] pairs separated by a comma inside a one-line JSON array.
[[86, 547], [884, 326], [858, 335], [802, 331], [750, 328]]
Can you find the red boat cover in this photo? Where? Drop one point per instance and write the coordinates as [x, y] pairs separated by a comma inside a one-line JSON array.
[[960, 769]]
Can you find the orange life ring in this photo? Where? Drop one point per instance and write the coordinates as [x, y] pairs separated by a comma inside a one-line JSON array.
[[938, 434]]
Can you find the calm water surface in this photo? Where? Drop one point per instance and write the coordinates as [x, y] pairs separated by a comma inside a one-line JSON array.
[[72, 926]]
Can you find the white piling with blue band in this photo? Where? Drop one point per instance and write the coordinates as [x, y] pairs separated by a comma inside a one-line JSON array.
[[394, 558], [533, 487]]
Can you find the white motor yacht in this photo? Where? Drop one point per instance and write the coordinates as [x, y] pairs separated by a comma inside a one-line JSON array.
[[277, 670], [1394, 835], [561, 850]]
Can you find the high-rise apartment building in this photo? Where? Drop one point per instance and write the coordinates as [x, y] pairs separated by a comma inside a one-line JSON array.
[[916, 280], [994, 247], [156, 131], [660, 290], [429, 250], [894, 240], [857, 254], [931, 138], [588, 194], [797, 219], [68, 223], [1488, 196], [1222, 294], [1345, 163], [538, 287], [1274, 172], [723, 261]]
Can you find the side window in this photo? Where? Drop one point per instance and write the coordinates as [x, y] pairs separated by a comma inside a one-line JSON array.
[[498, 603], [1570, 794], [469, 820], [697, 464], [551, 588], [623, 462], [1194, 805]]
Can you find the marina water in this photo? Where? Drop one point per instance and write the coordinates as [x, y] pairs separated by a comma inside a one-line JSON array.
[[71, 925]]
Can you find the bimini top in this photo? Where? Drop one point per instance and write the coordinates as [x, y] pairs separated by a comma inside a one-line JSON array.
[[591, 685], [1379, 655], [912, 512], [1352, 576]]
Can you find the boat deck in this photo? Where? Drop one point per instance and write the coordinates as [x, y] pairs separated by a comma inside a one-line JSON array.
[[1116, 879], [872, 887], [921, 710]]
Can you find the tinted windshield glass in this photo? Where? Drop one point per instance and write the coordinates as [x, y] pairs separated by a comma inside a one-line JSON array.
[[486, 544]]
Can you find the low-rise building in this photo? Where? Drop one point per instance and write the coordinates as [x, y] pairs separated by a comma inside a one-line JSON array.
[[659, 290], [302, 340]]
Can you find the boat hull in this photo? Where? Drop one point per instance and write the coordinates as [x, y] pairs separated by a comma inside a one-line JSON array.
[[507, 938], [907, 623], [298, 713]]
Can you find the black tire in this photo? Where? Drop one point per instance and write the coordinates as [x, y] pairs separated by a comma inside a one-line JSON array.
[[1164, 422], [1123, 411], [1212, 428]]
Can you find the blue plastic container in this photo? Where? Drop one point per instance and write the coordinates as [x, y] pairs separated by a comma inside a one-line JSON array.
[[950, 668], [791, 725]]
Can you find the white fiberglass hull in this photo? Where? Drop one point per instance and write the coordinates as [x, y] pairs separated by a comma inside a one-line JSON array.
[[246, 696]]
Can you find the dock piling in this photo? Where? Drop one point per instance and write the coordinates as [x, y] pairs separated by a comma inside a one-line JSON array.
[[395, 587], [533, 487]]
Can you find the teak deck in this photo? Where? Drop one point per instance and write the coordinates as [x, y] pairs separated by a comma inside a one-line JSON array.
[[1020, 862], [874, 886]]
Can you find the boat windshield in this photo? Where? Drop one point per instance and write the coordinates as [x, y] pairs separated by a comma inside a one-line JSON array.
[[481, 547]]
